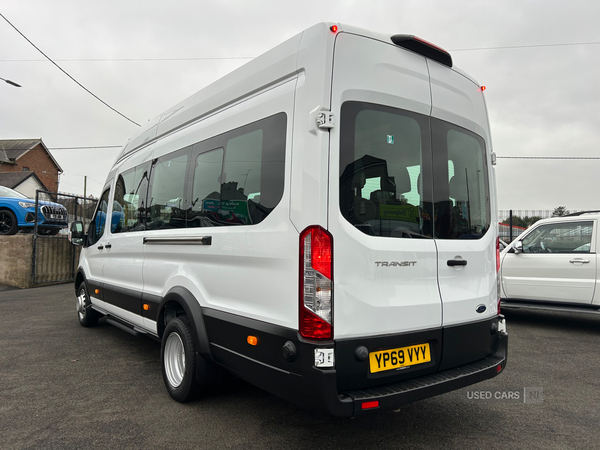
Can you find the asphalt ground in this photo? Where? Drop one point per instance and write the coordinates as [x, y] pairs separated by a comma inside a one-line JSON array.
[[63, 386]]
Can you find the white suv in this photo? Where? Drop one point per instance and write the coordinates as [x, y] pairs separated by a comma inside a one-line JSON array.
[[553, 265]]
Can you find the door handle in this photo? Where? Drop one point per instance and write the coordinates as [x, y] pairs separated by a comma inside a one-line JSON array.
[[457, 262], [108, 246], [101, 247], [582, 261]]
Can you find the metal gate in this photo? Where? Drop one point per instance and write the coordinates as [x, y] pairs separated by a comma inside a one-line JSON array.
[[54, 258]]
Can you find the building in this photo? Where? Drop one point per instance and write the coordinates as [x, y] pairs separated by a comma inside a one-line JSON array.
[[24, 182], [30, 155]]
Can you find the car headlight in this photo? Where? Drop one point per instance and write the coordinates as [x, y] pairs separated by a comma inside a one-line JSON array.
[[26, 205]]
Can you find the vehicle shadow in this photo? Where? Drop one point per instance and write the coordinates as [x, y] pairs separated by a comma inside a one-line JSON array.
[[566, 321]]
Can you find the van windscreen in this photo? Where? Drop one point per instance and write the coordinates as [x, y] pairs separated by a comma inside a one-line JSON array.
[[392, 174]]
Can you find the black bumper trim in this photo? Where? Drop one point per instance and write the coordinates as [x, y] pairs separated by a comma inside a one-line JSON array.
[[396, 394]]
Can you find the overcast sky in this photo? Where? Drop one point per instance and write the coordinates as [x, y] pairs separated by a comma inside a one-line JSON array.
[[543, 100]]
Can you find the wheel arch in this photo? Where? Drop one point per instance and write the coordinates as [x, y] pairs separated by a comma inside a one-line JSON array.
[[79, 278], [180, 301]]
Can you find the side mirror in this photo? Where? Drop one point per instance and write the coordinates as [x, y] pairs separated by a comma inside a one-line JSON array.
[[518, 247], [76, 233]]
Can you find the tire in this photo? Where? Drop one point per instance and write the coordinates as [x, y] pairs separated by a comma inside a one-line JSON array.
[[178, 360], [87, 316], [8, 223]]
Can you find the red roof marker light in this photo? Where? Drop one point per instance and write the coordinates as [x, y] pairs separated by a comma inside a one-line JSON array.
[[333, 28]]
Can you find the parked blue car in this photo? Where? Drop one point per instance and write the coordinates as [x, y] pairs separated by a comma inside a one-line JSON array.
[[17, 212]]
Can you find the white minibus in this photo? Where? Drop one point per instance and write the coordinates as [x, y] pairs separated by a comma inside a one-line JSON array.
[[320, 222]]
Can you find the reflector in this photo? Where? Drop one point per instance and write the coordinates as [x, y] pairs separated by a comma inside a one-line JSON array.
[[370, 405]]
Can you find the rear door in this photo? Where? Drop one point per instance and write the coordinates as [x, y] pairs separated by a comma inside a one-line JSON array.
[[385, 260], [463, 181]]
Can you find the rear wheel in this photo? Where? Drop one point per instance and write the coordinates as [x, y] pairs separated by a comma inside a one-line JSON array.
[[8, 223], [178, 360], [87, 316]]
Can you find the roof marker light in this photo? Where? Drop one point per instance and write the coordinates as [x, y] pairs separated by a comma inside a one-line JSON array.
[[333, 28], [482, 88]]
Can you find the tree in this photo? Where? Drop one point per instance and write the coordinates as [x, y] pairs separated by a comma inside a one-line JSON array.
[[524, 222], [560, 211]]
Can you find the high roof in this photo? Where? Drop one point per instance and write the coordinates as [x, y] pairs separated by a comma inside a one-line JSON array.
[[13, 149]]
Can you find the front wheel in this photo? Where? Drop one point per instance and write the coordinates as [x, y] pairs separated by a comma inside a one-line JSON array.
[[8, 223], [87, 316], [178, 360]]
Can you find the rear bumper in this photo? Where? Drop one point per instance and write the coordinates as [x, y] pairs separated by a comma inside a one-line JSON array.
[[397, 394], [300, 382]]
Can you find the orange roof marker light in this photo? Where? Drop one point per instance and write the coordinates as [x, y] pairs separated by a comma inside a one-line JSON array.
[[252, 340]]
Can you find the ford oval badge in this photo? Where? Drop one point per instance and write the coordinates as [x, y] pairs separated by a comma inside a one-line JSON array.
[[481, 308]]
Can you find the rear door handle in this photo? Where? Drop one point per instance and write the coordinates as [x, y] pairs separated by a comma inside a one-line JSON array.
[[582, 261], [101, 247], [457, 262], [108, 246]]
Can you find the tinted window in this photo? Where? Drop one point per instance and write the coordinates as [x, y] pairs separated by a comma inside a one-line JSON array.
[[206, 189], [129, 200], [167, 198], [393, 171], [573, 237], [461, 183], [384, 166], [98, 223], [239, 176]]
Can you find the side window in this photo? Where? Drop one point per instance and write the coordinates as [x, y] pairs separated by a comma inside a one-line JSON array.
[[129, 202], [167, 192], [98, 223], [238, 176], [573, 237], [206, 189]]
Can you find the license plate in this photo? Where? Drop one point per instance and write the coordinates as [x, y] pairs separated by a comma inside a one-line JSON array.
[[57, 216], [399, 357]]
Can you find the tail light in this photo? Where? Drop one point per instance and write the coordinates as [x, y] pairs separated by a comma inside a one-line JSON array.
[[316, 272]]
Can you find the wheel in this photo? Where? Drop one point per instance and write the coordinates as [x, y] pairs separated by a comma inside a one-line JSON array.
[[8, 223], [87, 316], [178, 360]]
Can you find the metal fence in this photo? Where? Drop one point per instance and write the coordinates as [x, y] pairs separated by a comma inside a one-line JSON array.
[[504, 214], [54, 258]]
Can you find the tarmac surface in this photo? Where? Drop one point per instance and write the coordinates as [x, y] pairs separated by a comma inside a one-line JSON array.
[[63, 386]]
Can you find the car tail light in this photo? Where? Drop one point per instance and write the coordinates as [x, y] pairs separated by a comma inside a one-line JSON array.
[[316, 283]]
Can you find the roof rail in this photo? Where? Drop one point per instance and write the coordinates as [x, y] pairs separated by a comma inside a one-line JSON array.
[[581, 213]]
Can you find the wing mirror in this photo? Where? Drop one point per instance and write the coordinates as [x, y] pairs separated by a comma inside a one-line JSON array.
[[76, 234], [518, 247]]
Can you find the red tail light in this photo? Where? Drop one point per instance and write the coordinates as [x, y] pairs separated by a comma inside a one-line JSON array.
[[316, 283]]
